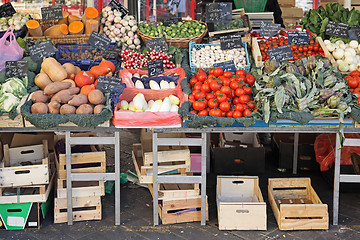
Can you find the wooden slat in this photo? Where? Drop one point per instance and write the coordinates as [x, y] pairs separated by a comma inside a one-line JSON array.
[[32, 153], [256, 53], [83, 191], [61, 203], [61, 217], [82, 158], [168, 156]]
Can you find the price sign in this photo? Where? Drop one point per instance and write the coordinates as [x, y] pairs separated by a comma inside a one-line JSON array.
[[218, 12], [99, 41], [337, 29], [269, 29], [298, 37], [228, 66], [231, 42], [7, 10], [41, 50], [281, 54], [51, 13], [155, 68], [111, 53], [158, 44], [106, 84], [354, 33], [171, 21], [118, 6], [16, 69]]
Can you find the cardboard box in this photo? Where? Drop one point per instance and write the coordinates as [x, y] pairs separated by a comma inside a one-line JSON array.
[[292, 12], [286, 3], [25, 139]]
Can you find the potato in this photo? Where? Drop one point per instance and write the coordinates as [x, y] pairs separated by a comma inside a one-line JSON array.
[[78, 100], [54, 107], [98, 108], [73, 84], [55, 87], [67, 109], [39, 96], [96, 97], [39, 108], [64, 96], [84, 109]]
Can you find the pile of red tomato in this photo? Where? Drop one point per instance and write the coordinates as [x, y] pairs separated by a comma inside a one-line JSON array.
[[222, 94], [353, 81]]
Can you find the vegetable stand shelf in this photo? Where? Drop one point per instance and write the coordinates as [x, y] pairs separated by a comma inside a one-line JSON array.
[[69, 140]]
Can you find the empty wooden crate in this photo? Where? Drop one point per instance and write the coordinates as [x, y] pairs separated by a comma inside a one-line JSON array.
[[296, 205], [240, 203]]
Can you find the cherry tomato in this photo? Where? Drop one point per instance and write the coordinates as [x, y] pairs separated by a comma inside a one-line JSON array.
[[221, 98], [203, 113], [240, 73], [215, 112], [212, 103], [224, 106], [211, 71], [237, 114], [239, 107], [225, 90], [312, 42], [197, 86], [352, 83], [215, 86], [316, 48], [191, 98], [199, 105], [226, 82], [193, 80], [202, 77], [205, 88], [227, 74], [247, 90], [218, 72], [355, 73], [251, 105], [244, 98], [306, 49], [229, 114], [201, 70], [234, 85], [199, 94], [246, 112], [250, 79], [311, 48], [239, 92], [236, 100], [193, 112], [209, 96]]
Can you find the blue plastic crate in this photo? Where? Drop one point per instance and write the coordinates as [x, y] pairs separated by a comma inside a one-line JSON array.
[[258, 123], [199, 46], [69, 48]]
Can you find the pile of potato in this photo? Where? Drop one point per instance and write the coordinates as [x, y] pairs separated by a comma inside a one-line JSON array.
[[62, 98]]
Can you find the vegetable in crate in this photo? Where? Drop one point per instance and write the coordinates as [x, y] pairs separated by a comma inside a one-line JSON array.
[[234, 24], [139, 104], [17, 21], [11, 93], [346, 54]]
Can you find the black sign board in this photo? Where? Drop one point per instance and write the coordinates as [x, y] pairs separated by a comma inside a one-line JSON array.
[[41, 50], [16, 69], [7, 10], [281, 54], [111, 53], [118, 6], [231, 42], [354, 32], [155, 67], [99, 41], [158, 44], [337, 29], [298, 37], [51, 13], [106, 84], [269, 29], [228, 66], [171, 21], [218, 12]]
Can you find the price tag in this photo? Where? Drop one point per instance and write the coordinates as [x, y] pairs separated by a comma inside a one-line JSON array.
[[228, 66], [269, 29], [7, 10], [231, 42], [111, 53], [281, 54], [158, 44], [298, 37], [354, 33], [171, 21], [106, 84], [41, 50], [16, 69], [155, 67], [51, 13], [218, 12], [118, 6], [99, 41], [337, 29]]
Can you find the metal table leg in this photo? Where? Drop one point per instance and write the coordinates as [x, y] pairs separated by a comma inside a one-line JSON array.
[[336, 181], [204, 157], [68, 178], [117, 178], [155, 180], [296, 150]]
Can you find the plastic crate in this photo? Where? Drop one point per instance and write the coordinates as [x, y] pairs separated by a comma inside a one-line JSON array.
[[199, 46], [74, 48], [251, 5]]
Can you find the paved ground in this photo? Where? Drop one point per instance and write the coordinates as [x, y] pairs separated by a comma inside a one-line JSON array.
[[136, 213]]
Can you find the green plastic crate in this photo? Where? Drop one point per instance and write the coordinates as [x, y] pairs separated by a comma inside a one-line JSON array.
[[251, 5]]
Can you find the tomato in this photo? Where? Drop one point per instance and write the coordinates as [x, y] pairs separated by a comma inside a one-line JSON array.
[[244, 98], [240, 73], [312, 42], [311, 48], [234, 85], [358, 100], [202, 77], [191, 98], [300, 49], [306, 49], [235, 100], [237, 114], [193, 80], [199, 94], [246, 112], [215, 86], [212, 103], [221, 98], [225, 106], [223, 114], [229, 114], [316, 48], [197, 86], [247, 90], [205, 88], [225, 90], [239, 107], [355, 73], [227, 74], [250, 79], [199, 105], [352, 83], [211, 71], [251, 105], [193, 112], [218, 72], [239, 92], [226, 82], [203, 113], [209, 96], [215, 112]]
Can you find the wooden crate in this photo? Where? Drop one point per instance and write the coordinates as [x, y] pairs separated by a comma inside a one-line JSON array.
[[84, 208], [5, 121], [81, 189], [240, 203], [292, 12], [286, 3], [296, 205], [15, 175]]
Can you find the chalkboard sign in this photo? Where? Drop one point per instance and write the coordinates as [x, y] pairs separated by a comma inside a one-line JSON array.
[[218, 12], [281, 54], [7, 10], [158, 44], [16, 69], [155, 67], [51, 13], [269, 29], [171, 21], [298, 37], [337, 29], [354, 32], [118, 6], [41, 50], [228, 66], [111, 53], [230, 42], [106, 84], [99, 41]]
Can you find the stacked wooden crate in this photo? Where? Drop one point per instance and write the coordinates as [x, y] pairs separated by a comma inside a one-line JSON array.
[[26, 181], [177, 202], [291, 15], [354, 3], [86, 196]]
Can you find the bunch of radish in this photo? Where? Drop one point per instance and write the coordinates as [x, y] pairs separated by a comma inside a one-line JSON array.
[[157, 55], [120, 29], [134, 60]]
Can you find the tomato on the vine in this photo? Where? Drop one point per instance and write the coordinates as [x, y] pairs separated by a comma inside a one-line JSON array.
[[205, 88], [250, 79], [239, 92], [197, 105], [246, 112], [226, 82], [209, 96], [239, 107], [225, 90], [191, 98], [251, 105], [229, 114], [352, 83], [199, 94], [218, 72], [240, 73], [355, 73], [213, 103], [247, 90], [215, 112], [244, 98], [203, 113], [225, 106], [202, 77], [193, 112], [237, 114], [193, 80], [234, 85], [221, 98], [215, 86], [197, 86], [227, 74]]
